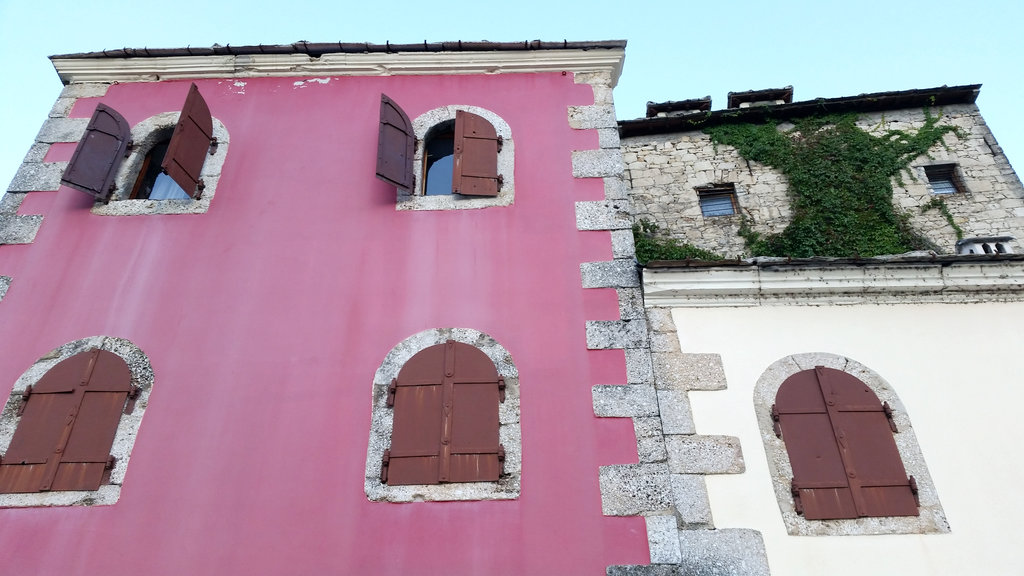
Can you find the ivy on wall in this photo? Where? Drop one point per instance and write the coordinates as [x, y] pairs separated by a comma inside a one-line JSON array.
[[653, 245], [840, 184]]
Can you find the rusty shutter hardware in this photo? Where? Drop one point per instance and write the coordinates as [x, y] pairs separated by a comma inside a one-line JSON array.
[[396, 145], [189, 145], [70, 418], [99, 154], [475, 170], [839, 440], [446, 418]]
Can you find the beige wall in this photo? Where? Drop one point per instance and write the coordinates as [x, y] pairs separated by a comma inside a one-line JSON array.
[[954, 368]]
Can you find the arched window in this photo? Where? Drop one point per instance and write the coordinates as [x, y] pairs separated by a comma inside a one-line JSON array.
[[153, 183], [839, 439], [445, 400], [68, 423]]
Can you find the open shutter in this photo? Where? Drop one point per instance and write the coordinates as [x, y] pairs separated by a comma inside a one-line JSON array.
[[845, 462], [446, 418], [190, 143], [476, 156], [65, 434], [396, 145], [99, 154]]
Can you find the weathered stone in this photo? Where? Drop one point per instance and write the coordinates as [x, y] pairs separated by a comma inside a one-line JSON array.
[[603, 215], [610, 274], [37, 152], [727, 552], [37, 177], [608, 138], [688, 371], [638, 366], [631, 303], [84, 90], [633, 489], [625, 400], [606, 334], [663, 540], [646, 570], [704, 454], [5, 283], [622, 244], [690, 496], [676, 417], [596, 163], [660, 320], [62, 107], [62, 130], [615, 188], [10, 202], [596, 116], [15, 229], [664, 342]]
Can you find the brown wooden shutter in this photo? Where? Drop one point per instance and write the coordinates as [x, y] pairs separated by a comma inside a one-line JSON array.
[[66, 431], [190, 143], [475, 172], [396, 145], [845, 461], [99, 154], [446, 418]]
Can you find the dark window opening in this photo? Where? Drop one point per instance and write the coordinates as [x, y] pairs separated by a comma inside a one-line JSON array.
[[717, 200], [439, 158], [944, 179], [153, 183]]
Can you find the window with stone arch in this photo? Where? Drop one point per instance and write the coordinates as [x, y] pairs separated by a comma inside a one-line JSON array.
[[87, 461], [500, 461], [449, 158], [800, 369]]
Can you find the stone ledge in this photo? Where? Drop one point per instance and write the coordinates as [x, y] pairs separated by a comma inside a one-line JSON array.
[[634, 489], [37, 177], [620, 401], [16, 229], [681, 371], [609, 334], [689, 454], [603, 215], [663, 540], [596, 163], [610, 274]]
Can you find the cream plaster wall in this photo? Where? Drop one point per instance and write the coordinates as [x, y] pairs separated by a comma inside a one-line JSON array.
[[953, 368]]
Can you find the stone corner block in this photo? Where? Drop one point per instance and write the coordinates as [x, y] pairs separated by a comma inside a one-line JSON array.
[[690, 496], [615, 188], [592, 116], [15, 229], [623, 245], [622, 401], [85, 90], [648, 570], [610, 274], [676, 416], [638, 366], [660, 320], [663, 540], [675, 370], [608, 334], [5, 283], [596, 163], [37, 177], [62, 130], [688, 454], [723, 552], [10, 202], [603, 215], [634, 489]]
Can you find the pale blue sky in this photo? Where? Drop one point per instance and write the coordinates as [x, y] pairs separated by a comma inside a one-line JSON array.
[[677, 49]]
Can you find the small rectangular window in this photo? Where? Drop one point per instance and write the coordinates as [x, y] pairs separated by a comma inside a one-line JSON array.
[[944, 179], [717, 200]]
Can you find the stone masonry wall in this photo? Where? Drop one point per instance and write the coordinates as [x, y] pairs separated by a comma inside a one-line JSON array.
[[663, 170]]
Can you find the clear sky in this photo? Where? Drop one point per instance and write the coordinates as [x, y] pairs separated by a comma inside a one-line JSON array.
[[677, 49]]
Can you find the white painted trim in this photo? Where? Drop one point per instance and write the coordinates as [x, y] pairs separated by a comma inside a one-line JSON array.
[[838, 284], [73, 70]]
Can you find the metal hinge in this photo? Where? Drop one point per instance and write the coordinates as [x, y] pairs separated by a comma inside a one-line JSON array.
[[776, 426], [133, 395], [213, 145], [128, 148], [888, 416], [111, 461], [501, 141], [501, 388], [797, 503], [501, 459], [913, 489], [392, 389], [384, 466], [24, 399]]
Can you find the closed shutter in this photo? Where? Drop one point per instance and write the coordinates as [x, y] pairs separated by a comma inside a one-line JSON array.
[[190, 144], [66, 431], [840, 445], [446, 418], [476, 156], [99, 154], [396, 145]]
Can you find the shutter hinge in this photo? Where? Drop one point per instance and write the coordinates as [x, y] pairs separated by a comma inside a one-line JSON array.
[[913, 489], [392, 388], [128, 148], [384, 466], [501, 181], [797, 503], [501, 388], [133, 395], [111, 461], [501, 141], [501, 459], [200, 186], [213, 145], [776, 425], [888, 416], [24, 399]]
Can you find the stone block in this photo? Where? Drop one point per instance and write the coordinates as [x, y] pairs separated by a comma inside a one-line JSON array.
[[663, 540], [625, 400], [638, 366], [5, 283], [704, 454], [37, 177], [690, 496], [10, 202], [84, 90], [37, 152], [615, 188], [607, 334], [631, 302], [660, 320], [603, 215], [596, 163], [688, 371], [622, 245], [727, 552], [633, 489], [595, 116], [665, 342], [610, 274], [16, 229], [676, 417], [608, 138], [646, 570], [650, 442], [62, 107], [62, 130]]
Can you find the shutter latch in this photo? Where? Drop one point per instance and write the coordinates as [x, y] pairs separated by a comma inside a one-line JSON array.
[[384, 466], [501, 388], [797, 503], [776, 426], [888, 416], [392, 389], [24, 399]]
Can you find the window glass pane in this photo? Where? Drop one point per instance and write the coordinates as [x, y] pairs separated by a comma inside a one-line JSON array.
[[943, 187], [717, 205], [439, 176], [165, 188]]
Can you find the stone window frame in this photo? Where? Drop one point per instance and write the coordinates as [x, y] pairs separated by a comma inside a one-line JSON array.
[[944, 172], [145, 135], [727, 189], [932, 518], [381, 422], [417, 200], [127, 428]]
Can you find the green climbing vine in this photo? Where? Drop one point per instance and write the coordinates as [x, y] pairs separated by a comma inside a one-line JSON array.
[[653, 245], [840, 184], [940, 205]]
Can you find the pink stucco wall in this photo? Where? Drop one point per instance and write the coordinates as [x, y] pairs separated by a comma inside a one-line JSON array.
[[266, 318]]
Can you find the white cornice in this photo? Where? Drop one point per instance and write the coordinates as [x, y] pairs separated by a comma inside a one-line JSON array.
[[884, 284], [73, 70]]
